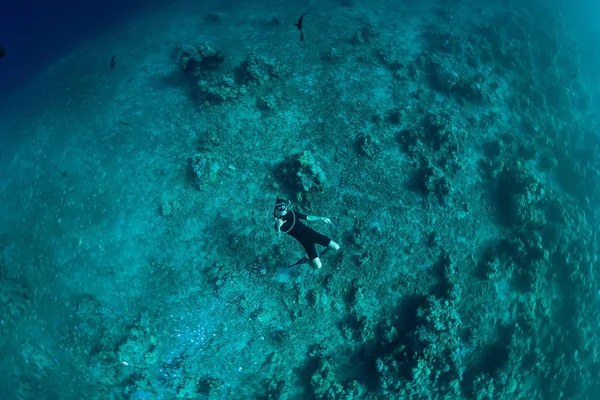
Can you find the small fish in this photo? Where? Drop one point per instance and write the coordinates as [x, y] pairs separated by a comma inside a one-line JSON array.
[[112, 62], [2, 51], [574, 75], [299, 26], [299, 23]]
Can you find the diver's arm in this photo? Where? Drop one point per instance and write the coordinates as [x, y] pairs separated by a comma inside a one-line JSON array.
[[313, 218]]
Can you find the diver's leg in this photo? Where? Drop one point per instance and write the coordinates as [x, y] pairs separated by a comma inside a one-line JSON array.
[[325, 242], [316, 263], [311, 253], [333, 245]]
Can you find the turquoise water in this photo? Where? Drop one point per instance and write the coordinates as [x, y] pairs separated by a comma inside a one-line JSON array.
[[452, 145]]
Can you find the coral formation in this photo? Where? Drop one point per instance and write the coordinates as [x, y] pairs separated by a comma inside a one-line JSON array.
[[454, 156]]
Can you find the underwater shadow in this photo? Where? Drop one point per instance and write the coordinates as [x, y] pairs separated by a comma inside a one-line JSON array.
[[176, 79]]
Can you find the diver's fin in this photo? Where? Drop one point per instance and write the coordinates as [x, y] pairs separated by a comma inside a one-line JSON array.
[[304, 260]]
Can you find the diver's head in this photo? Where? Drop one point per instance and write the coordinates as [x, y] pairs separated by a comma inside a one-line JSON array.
[[281, 207]]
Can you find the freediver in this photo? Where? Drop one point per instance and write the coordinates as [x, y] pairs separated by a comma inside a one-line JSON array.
[[288, 221]]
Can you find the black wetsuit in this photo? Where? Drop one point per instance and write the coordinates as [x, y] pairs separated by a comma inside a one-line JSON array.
[[307, 237]]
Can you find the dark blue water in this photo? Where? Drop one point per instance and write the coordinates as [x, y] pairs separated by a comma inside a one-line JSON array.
[[35, 33]]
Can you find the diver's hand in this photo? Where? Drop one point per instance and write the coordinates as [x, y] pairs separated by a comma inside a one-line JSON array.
[[280, 222], [326, 220]]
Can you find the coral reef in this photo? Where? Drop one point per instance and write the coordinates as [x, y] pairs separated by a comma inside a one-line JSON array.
[[196, 59], [303, 173], [453, 154]]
